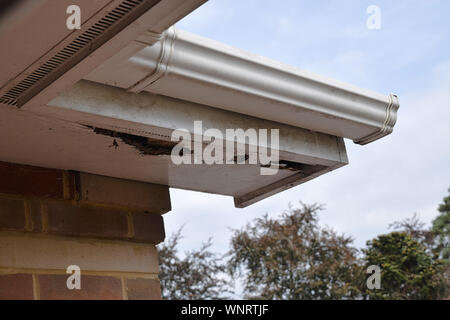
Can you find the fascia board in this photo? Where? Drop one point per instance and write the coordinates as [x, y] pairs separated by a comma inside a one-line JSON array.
[[193, 68], [89, 104], [142, 113]]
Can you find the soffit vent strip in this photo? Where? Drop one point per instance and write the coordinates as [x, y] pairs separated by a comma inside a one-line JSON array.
[[84, 44]]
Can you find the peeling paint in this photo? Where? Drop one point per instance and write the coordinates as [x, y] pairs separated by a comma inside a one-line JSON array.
[[302, 167], [145, 145], [307, 169]]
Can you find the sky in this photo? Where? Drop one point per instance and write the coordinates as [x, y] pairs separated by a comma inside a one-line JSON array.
[[389, 180]]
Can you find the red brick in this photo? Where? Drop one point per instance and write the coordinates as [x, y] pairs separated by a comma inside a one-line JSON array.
[[35, 215], [54, 287], [12, 214], [133, 195], [31, 181], [16, 287], [64, 218], [148, 227], [73, 180], [143, 289]]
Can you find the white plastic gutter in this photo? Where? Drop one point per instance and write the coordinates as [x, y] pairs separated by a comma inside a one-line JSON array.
[[189, 67]]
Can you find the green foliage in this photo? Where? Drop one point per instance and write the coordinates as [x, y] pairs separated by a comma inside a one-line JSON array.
[[407, 271], [416, 229], [294, 258], [441, 228], [196, 277]]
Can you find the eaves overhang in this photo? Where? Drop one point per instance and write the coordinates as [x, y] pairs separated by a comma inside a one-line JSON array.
[[189, 67], [41, 56], [105, 130], [113, 111]]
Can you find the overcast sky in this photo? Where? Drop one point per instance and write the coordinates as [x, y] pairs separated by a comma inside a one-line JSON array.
[[387, 180]]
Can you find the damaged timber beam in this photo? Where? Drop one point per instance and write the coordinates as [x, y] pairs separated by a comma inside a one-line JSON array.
[[139, 127]]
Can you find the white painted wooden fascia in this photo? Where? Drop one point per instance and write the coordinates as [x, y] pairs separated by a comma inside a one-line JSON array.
[[88, 104]]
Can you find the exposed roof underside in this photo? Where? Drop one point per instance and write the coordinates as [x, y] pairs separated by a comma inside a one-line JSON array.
[[145, 82]]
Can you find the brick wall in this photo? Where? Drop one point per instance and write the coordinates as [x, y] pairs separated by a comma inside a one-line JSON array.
[[51, 219]]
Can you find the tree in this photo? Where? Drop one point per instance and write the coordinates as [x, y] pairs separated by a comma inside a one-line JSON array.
[[294, 258], [407, 270], [416, 229], [441, 228], [195, 277]]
